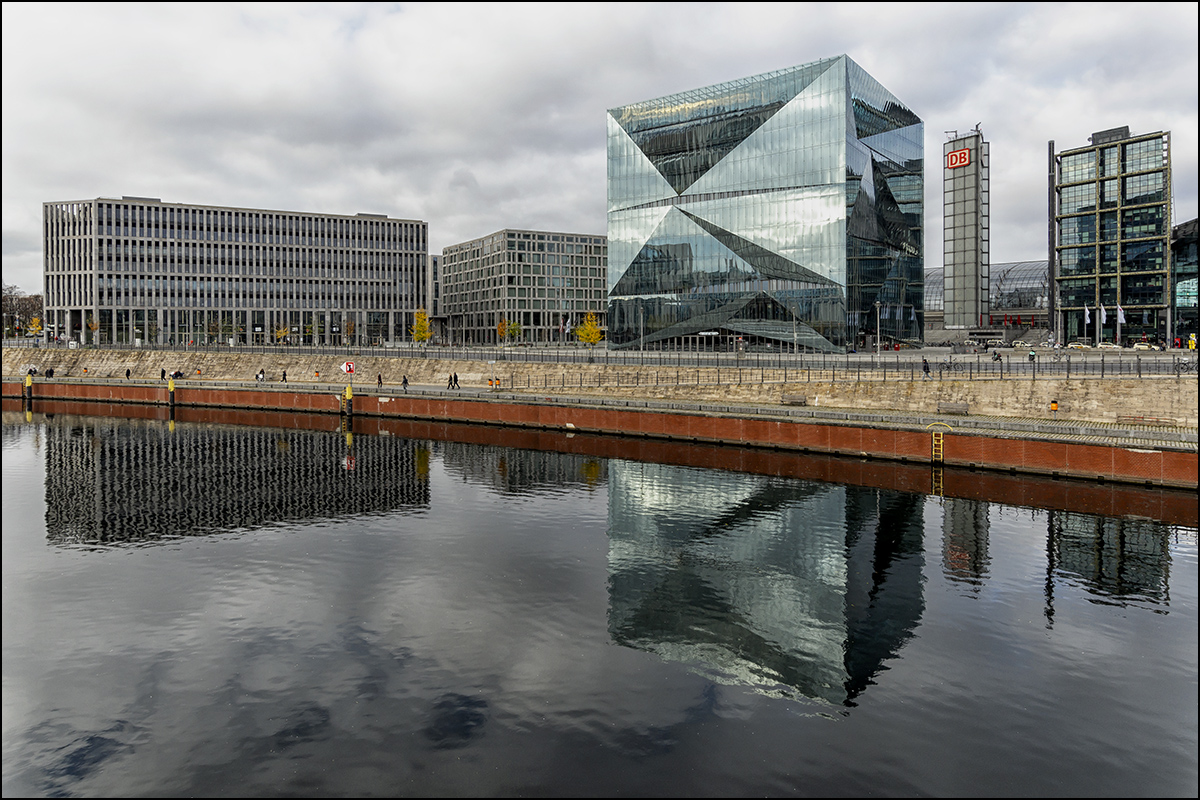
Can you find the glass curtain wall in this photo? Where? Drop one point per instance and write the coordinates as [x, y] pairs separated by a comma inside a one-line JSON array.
[[771, 212]]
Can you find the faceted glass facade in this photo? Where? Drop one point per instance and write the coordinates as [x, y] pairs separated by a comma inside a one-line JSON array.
[[775, 209]]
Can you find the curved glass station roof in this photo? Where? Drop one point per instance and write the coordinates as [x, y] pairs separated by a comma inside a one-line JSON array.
[[1014, 285]]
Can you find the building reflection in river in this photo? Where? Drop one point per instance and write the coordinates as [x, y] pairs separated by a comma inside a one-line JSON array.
[[782, 585], [114, 481], [1112, 558]]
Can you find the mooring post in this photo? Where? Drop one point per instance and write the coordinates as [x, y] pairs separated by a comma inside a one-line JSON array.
[[349, 396], [171, 393]]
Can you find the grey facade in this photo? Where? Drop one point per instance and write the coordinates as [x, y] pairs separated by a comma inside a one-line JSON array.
[[545, 282], [1110, 229], [776, 209], [965, 230], [120, 271]]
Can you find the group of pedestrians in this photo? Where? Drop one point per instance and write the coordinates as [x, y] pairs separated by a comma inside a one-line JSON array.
[[452, 381]]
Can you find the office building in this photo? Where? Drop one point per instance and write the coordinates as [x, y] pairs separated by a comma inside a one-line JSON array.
[[138, 269], [776, 210], [541, 284], [1110, 231], [1183, 262], [965, 229]]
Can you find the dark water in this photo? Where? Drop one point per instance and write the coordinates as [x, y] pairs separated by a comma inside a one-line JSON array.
[[211, 610]]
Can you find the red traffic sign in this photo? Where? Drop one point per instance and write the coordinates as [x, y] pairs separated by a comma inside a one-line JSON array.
[[348, 367]]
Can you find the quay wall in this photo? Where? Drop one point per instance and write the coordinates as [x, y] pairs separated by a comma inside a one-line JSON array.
[[1171, 399], [996, 450]]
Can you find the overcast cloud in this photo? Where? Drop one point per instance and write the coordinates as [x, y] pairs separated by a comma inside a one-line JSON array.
[[478, 117]]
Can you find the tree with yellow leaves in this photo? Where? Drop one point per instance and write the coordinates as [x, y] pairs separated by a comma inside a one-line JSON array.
[[420, 330]]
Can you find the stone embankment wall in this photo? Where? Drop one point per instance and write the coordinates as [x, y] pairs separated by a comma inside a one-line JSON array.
[[1101, 400]]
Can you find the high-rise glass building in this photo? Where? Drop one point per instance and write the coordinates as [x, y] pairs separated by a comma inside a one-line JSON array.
[[1110, 221], [776, 210]]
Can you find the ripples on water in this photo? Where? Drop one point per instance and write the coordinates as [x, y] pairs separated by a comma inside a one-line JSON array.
[[217, 610]]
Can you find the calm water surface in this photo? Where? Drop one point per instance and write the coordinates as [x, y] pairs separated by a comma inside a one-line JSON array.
[[208, 610]]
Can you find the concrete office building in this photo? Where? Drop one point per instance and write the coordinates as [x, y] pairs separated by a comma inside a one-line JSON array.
[[1110, 231], [776, 209], [965, 230], [120, 271], [543, 281]]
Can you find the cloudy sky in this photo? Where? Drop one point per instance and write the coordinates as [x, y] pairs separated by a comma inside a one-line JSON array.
[[477, 117]]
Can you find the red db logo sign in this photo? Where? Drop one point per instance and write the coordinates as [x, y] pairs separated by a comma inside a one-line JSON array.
[[959, 158]]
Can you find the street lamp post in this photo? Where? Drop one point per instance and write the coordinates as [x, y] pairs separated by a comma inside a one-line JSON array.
[[877, 304]]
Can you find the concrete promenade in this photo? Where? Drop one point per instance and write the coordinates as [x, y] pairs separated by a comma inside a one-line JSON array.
[[937, 421]]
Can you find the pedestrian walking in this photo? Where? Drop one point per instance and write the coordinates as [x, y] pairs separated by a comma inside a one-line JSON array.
[[162, 374], [379, 380], [456, 386], [127, 373], [450, 381], [404, 383], [283, 378], [925, 369], [1032, 356]]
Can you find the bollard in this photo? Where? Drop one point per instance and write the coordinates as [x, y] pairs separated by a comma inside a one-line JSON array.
[[349, 401], [1054, 408], [171, 394]]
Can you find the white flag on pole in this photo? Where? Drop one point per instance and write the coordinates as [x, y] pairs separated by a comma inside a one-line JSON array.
[[1087, 316], [1120, 314], [1103, 314]]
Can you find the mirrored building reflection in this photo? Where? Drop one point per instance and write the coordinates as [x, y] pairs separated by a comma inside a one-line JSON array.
[[965, 542], [779, 211], [788, 587], [514, 471], [1112, 558], [126, 481]]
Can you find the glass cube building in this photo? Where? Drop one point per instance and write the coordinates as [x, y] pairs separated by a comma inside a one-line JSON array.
[[771, 212]]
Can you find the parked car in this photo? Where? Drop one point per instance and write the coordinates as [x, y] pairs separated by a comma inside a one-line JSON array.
[[1145, 346], [1108, 346], [995, 343], [1079, 346]]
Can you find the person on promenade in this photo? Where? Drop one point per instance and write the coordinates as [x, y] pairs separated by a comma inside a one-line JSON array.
[[925, 369], [379, 380], [127, 373], [404, 383], [162, 374], [456, 386], [283, 379], [1032, 356], [450, 381]]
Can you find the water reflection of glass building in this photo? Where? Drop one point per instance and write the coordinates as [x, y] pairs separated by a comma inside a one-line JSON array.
[[113, 482], [1112, 557], [514, 471], [782, 585], [776, 209]]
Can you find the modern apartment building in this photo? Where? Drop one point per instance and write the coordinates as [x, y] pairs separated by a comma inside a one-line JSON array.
[[1110, 237], [783, 210], [541, 284], [136, 268]]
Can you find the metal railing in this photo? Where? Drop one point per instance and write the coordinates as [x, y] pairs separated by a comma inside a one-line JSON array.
[[848, 366]]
